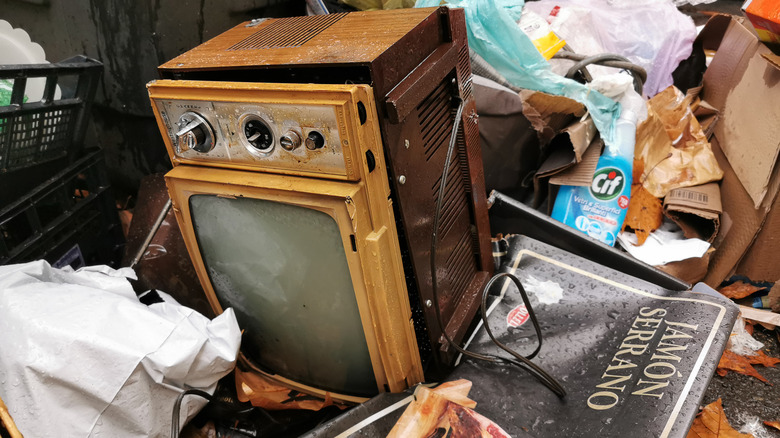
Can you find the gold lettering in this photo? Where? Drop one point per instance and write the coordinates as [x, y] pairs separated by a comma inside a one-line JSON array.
[[622, 364], [636, 350], [640, 335], [667, 349], [616, 380], [671, 333], [646, 311], [601, 407], [654, 386], [659, 376], [646, 322]]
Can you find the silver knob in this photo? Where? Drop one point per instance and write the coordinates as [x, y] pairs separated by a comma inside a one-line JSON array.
[[290, 140], [194, 133]]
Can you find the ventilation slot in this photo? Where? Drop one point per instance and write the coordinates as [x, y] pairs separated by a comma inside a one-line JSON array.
[[454, 198], [464, 71], [288, 32], [435, 118], [461, 267]]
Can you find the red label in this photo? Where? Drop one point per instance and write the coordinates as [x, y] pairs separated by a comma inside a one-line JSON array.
[[623, 201], [517, 317]]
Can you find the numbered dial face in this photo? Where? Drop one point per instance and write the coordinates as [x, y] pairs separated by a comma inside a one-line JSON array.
[[256, 134], [194, 133]]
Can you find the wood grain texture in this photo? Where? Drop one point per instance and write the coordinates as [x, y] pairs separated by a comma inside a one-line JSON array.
[[357, 38]]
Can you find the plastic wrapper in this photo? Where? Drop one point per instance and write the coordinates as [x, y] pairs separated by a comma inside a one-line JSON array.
[[494, 34], [370, 5], [81, 356], [741, 342], [650, 33], [673, 146]]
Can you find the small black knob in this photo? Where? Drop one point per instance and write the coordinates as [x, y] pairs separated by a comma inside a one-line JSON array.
[[314, 140]]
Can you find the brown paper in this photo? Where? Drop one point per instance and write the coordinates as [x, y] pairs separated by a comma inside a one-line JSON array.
[[673, 146]]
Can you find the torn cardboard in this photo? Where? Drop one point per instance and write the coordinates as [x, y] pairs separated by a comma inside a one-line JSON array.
[[566, 150], [548, 113], [741, 84], [696, 210]]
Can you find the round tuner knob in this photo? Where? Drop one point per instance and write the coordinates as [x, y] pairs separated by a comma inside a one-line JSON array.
[[314, 140], [290, 140], [194, 133]]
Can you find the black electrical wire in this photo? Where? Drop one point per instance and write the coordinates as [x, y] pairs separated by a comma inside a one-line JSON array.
[[177, 408], [519, 360]]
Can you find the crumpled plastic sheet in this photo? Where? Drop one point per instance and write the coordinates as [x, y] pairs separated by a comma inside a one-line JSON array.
[[80, 356], [494, 34], [653, 34]]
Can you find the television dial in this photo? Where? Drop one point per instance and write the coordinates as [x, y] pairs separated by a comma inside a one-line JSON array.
[[314, 141], [194, 133], [257, 134]]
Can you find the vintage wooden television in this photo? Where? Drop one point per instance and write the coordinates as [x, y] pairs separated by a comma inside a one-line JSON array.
[[307, 157]]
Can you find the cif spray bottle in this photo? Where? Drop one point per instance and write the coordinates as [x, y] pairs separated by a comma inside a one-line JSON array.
[[599, 210]]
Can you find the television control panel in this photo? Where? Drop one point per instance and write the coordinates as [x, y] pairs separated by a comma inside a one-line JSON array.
[[264, 135]]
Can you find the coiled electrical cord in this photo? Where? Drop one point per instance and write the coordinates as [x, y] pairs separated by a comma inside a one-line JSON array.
[[518, 360]]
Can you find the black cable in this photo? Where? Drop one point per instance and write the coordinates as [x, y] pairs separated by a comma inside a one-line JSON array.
[[177, 408], [519, 361]]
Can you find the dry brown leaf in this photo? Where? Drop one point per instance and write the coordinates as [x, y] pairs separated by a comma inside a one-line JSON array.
[[739, 289], [775, 424], [638, 170], [712, 423], [749, 326], [762, 359], [645, 213], [731, 361]]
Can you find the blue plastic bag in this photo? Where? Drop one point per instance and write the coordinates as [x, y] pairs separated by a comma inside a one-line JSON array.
[[494, 34]]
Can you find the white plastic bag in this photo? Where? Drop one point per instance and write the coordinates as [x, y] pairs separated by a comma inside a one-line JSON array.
[[81, 356], [650, 33]]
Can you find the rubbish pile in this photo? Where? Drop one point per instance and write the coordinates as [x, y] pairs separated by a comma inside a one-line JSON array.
[[650, 141]]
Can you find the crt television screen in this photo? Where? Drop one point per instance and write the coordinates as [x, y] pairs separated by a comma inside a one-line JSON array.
[[283, 269]]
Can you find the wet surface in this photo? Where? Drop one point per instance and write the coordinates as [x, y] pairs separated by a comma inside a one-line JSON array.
[[745, 398]]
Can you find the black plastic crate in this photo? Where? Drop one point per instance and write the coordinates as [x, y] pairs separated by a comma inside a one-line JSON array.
[[40, 136], [70, 219]]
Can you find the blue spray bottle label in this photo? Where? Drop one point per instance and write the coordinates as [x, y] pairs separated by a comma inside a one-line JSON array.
[[599, 210]]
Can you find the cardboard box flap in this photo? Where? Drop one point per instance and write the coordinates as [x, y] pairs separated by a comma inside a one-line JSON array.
[[696, 210], [741, 86], [733, 240], [772, 58], [566, 150], [548, 113], [582, 173], [704, 198]]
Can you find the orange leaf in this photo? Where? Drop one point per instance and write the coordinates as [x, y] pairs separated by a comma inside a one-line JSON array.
[[639, 169], [762, 359], [739, 290], [712, 423], [749, 325], [775, 424], [645, 213], [731, 361]]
